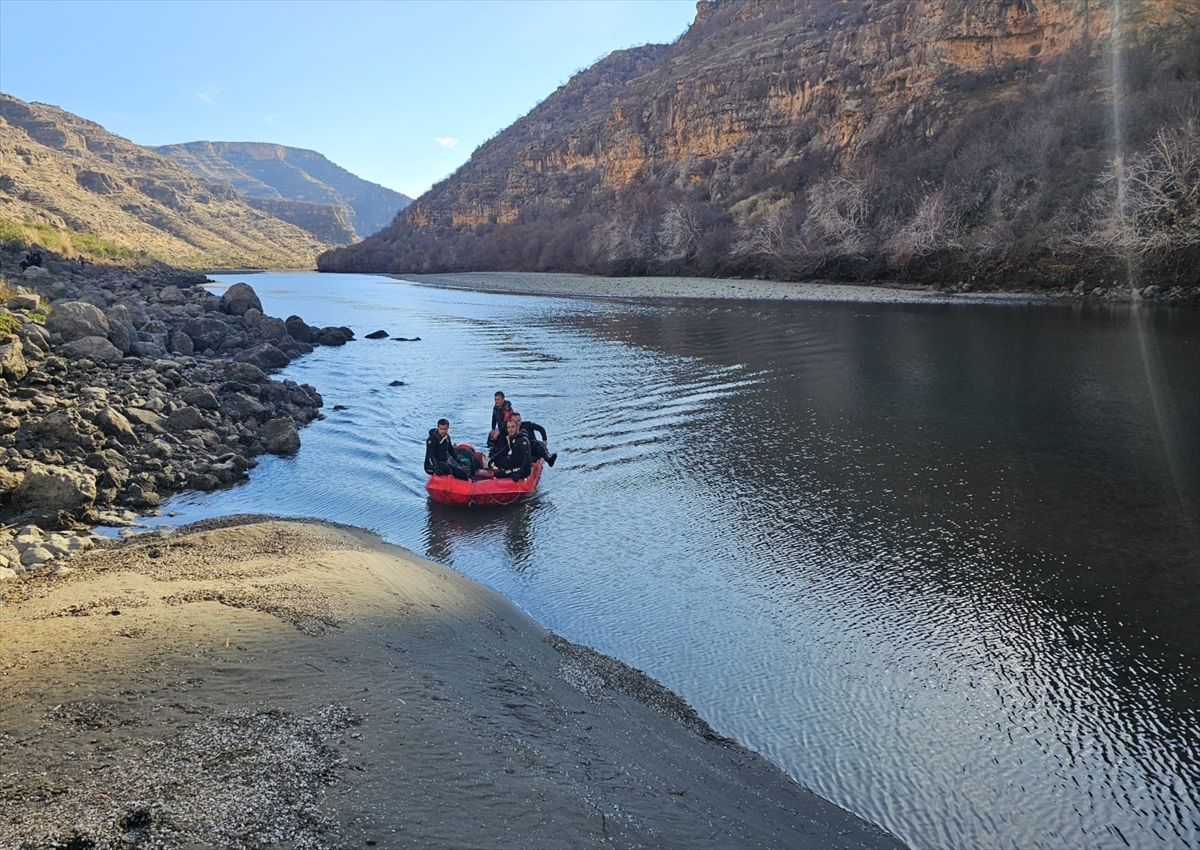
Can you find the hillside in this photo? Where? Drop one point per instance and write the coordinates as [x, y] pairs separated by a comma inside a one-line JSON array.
[[61, 170], [293, 183], [929, 140]]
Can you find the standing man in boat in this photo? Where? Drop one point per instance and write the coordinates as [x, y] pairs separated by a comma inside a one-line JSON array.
[[500, 414], [538, 448], [439, 453], [511, 457]]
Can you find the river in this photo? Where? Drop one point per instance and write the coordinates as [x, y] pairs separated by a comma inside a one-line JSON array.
[[940, 562]]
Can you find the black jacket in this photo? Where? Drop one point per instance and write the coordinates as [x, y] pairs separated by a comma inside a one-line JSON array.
[[438, 449], [500, 416], [512, 455], [529, 427]]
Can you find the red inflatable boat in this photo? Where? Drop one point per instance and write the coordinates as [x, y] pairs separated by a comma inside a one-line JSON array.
[[484, 491]]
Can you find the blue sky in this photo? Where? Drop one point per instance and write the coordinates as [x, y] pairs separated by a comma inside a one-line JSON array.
[[399, 93]]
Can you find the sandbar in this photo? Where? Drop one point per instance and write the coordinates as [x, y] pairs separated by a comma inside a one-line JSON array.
[[253, 681]]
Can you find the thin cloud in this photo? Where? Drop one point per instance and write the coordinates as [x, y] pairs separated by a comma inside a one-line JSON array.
[[272, 118], [209, 95], [447, 142]]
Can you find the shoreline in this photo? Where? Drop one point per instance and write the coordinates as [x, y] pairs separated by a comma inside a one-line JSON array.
[[256, 676], [568, 285]]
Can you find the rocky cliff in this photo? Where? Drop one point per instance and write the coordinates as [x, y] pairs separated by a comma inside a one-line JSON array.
[[62, 171], [927, 139], [277, 173]]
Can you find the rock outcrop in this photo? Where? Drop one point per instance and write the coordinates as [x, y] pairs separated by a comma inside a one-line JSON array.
[[927, 139], [118, 388]]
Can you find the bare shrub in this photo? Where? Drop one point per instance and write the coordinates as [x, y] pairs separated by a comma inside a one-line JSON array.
[[1150, 201], [836, 224], [678, 232], [927, 230]]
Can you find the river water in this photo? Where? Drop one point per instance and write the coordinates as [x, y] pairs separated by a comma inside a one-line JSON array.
[[940, 562]]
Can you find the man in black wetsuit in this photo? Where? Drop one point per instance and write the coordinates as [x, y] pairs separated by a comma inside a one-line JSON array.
[[537, 447], [500, 413], [511, 457], [439, 453]]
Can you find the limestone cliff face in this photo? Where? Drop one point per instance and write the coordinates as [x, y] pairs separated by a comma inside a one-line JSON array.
[[714, 154], [277, 173], [62, 170]]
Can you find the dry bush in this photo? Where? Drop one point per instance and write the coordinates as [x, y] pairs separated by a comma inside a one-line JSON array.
[[836, 224], [928, 230], [678, 232], [1150, 201]]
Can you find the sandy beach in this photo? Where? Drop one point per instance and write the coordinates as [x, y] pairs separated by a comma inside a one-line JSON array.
[[568, 285], [251, 682]]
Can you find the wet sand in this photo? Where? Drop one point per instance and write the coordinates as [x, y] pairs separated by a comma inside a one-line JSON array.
[[249, 682], [587, 286]]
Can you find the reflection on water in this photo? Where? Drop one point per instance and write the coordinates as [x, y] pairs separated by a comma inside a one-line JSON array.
[[448, 526], [937, 561]]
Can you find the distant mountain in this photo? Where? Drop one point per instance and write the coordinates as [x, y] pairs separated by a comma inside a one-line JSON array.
[[276, 173], [61, 171], [1025, 142]]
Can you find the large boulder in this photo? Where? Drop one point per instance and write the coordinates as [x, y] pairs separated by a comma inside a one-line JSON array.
[[300, 330], [238, 299], [111, 422], [122, 335], [238, 405], [152, 348], [94, 348], [49, 489], [273, 329], [142, 416], [201, 397], [281, 437], [9, 481], [74, 320], [62, 428], [181, 343], [12, 359], [264, 356], [245, 373], [171, 294], [186, 419], [128, 312], [206, 332], [34, 337], [334, 336]]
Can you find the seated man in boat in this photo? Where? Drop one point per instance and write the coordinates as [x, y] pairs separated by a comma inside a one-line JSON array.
[[537, 448], [511, 457], [440, 458]]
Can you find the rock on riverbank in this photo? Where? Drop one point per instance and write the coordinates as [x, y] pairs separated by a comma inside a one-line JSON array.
[[118, 387]]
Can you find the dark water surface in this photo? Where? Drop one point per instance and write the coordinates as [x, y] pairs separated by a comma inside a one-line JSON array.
[[939, 562]]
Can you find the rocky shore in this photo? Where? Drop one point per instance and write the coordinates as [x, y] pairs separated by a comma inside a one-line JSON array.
[[120, 386]]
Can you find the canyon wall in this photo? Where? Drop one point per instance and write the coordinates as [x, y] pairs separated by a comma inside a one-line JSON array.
[[925, 139]]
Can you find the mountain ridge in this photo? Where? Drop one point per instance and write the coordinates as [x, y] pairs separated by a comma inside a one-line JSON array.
[[60, 170], [280, 173]]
